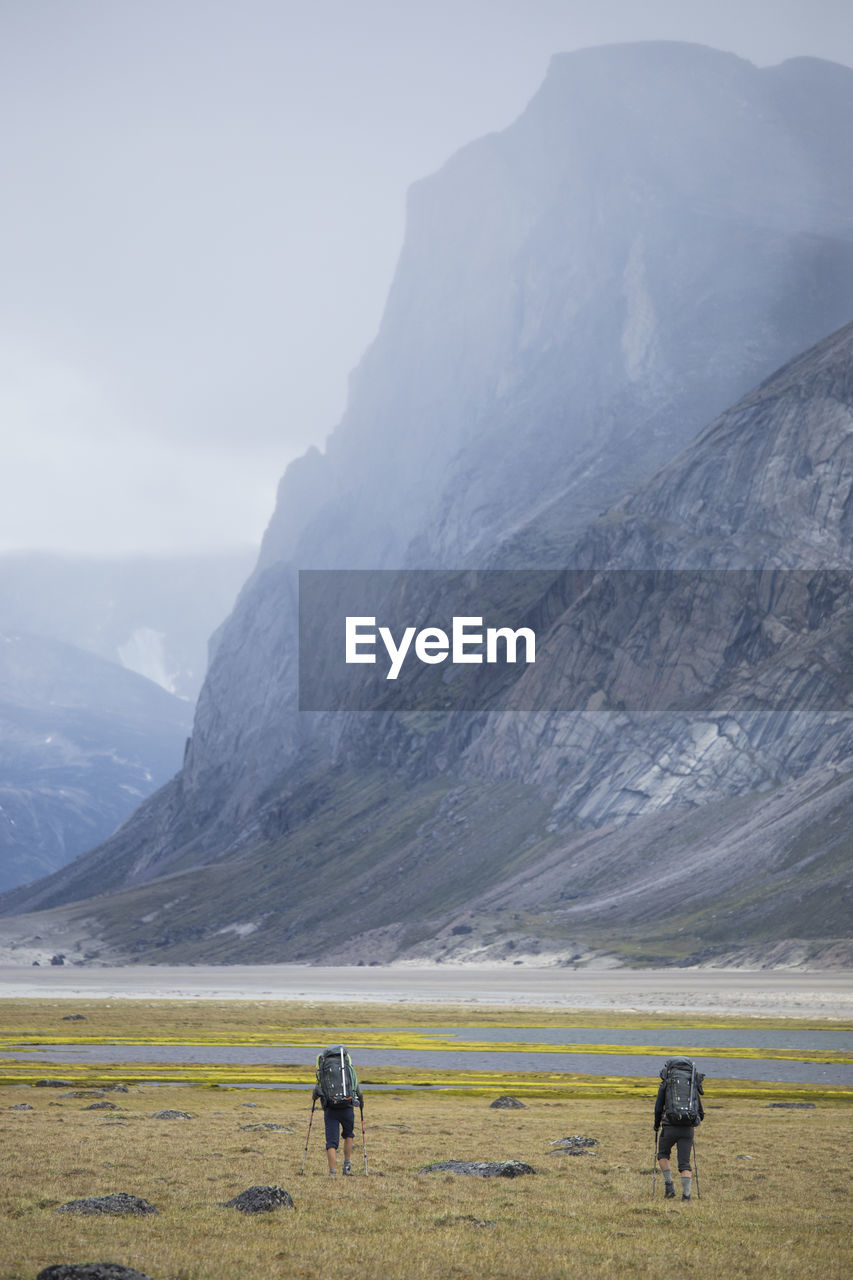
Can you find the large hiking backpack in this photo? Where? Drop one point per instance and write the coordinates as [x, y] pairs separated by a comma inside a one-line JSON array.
[[683, 1086], [335, 1076]]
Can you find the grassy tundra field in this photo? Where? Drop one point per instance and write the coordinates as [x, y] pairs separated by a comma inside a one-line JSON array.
[[775, 1196]]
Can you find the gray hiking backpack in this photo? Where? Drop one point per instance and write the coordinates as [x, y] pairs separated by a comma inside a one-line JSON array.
[[336, 1078], [683, 1087]]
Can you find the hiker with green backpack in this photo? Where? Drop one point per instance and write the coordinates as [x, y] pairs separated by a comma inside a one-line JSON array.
[[678, 1109], [337, 1088]]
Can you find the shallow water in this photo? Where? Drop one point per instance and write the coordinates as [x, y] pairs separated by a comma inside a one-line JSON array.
[[599, 1064], [756, 1037]]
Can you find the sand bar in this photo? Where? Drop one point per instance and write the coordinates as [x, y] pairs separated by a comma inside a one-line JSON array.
[[772, 992]]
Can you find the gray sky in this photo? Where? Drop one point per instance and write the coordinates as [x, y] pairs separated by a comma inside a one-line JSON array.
[[203, 205]]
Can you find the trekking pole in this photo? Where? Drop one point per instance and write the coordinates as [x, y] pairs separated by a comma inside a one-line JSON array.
[[310, 1122], [655, 1165], [696, 1171], [363, 1147]]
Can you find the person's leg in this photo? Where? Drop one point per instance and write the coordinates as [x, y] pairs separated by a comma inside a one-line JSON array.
[[348, 1131], [333, 1127], [664, 1148], [685, 1142]]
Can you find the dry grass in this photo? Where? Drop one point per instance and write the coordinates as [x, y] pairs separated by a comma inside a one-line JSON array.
[[775, 1199], [774, 1192]]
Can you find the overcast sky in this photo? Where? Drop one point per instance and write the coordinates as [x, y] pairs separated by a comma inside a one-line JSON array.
[[202, 208]]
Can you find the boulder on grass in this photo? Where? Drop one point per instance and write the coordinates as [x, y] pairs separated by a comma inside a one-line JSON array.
[[793, 1106], [573, 1146], [90, 1271], [117, 1204], [260, 1200], [171, 1115], [481, 1168], [507, 1104]]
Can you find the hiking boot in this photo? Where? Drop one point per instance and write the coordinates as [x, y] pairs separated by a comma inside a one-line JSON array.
[[669, 1191], [685, 1198], [347, 1168], [333, 1173]]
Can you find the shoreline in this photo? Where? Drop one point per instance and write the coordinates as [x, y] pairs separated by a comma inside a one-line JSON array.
[[767, 993]]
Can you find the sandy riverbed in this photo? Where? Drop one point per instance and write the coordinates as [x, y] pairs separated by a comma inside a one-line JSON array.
[[746, 992]]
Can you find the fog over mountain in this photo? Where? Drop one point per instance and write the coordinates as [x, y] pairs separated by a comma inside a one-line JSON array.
[[82, 742], [578, 297], [150, 614]]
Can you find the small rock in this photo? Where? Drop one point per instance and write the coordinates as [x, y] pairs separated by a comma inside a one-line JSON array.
[[90, 1271], [793, 1106], [481, 1168], [22, 1106], [117, 1204], [171, 1115], [278, 1128], [74, 1017], [102, 1106], [84, 1093], [116, 1088], [574, 1146], [450, 1220], [54, 1084], [260, 1200], [508, 1104]]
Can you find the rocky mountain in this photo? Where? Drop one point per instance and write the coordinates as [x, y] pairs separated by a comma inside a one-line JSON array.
[[577, 297], [540, 832], [82, 742]]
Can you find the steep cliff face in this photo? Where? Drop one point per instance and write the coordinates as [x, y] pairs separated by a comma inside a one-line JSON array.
[[561, 832], [768, 486], [576, 298]]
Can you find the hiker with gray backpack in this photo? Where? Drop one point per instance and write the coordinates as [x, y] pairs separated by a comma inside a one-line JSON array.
[[337, 1089], [678, 1109]]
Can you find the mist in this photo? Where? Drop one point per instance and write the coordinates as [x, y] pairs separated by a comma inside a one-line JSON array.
[[203, 211]]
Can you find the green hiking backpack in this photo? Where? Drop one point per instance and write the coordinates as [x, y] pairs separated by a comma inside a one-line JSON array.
[[336, 1078]]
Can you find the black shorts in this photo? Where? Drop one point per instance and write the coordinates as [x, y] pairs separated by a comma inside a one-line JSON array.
[[681, 1137], [338, 1121]]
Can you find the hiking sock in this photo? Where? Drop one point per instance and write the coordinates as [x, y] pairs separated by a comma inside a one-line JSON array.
[[685, 1188], [667, 1177]]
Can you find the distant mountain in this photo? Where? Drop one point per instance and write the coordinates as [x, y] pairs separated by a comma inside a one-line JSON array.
[[576, 299], [151, 614], [82, 742]]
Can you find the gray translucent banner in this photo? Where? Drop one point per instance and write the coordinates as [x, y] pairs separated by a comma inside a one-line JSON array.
[[701, 641]]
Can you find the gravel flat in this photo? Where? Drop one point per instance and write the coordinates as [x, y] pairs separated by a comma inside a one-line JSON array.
[[776, 992]]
